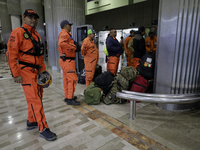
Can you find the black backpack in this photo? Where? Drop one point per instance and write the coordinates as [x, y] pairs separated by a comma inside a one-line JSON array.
[[147, 65], [97, 72], [104, 80]]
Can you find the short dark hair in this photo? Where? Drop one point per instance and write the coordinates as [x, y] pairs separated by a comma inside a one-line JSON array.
[[141, 29]]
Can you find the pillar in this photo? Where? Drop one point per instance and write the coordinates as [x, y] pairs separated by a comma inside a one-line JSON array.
[[178, 57], [5, 22], [55, 12]]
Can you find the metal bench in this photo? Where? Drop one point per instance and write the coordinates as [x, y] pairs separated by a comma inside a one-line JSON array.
[[156, 98]]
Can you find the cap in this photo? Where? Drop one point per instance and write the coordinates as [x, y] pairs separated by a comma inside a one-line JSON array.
[[90, 31], [29, 12], [64, 22]]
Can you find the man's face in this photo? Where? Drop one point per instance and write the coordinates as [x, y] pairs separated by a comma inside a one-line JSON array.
[[68, 27], [132, 34], [143, 33], [92, 35], [31, 20], [113, 33]]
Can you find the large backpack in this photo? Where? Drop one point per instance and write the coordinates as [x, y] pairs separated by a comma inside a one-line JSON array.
[[104, 80], [119, 84], [147, 65], [129, 73], [140, 84], [92, 94]]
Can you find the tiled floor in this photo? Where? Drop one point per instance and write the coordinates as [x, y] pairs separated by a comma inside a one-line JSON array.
[[102, 127]]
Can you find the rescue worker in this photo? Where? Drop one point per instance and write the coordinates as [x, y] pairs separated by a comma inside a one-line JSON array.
[[130, 60], [24, 45], [139, 46], [114, 52], [91, 56], [151, 43], [67, 50]]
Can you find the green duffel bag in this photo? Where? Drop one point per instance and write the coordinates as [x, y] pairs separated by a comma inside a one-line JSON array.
[[92, 94]]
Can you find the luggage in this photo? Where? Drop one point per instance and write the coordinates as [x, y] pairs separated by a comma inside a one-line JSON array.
[[119, 84], [147, 65], [140, 84], [81, 77], [129, 73], [92, 94], [104, 80], [97, 72]]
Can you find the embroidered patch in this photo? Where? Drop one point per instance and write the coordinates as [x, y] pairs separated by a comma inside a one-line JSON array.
[[26, 36], [12, 38]]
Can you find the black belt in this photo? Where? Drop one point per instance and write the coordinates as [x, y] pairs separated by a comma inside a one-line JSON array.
[[65, 58], [29, 65]]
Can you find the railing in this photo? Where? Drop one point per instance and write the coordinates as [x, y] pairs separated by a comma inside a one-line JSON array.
[[156, 98]]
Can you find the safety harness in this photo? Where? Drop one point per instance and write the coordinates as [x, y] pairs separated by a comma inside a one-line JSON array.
[[37, 51]]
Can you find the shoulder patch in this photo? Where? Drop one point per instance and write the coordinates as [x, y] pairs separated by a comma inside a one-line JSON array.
[[26, 36]]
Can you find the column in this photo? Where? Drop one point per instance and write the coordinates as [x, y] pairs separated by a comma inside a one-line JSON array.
[[55, 12], [178, 57]]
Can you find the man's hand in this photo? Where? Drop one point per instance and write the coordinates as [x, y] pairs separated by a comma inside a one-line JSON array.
[[18, 79]]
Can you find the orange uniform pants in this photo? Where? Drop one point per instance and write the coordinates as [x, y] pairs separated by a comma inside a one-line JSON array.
[[34, 94], [136, 62], [128, 58], [90, 66], [112, 64], [69, 77]]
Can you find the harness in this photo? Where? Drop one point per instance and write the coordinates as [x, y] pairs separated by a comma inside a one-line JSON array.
[[37, 48], [64, 58], [29, 65]]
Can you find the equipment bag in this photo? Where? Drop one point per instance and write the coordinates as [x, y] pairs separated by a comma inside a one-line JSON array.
[[81, 77], [129, 73], [97, 72], [119, 84], [92, 94], [140, 84], [147, 65], [104, 80]]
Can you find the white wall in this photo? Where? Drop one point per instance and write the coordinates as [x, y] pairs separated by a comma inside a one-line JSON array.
[[92, 7]]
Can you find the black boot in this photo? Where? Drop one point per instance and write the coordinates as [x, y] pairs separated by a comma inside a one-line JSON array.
[[48, 135], [31, 125], [75, 98], [72, 102]]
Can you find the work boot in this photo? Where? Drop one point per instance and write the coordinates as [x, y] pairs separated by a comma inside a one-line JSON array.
[[31, 125], [48, 135], [72, 102], [75, 98]]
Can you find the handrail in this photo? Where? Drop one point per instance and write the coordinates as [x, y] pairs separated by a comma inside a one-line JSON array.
[[156, 98]]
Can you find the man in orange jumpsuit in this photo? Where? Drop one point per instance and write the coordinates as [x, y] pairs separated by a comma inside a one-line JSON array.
[[91, 56], [130, 60], [114, 51], [67, 50], [151, 43], [24, 45]]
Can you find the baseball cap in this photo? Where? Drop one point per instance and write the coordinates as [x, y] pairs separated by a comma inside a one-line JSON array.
[[29, 12], [64, 22], [90, 31]]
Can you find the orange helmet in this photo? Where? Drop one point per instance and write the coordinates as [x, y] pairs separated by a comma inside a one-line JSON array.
[[44, 79]]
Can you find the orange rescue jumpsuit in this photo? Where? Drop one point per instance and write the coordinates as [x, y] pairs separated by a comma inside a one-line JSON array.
[[91, 57], [19, 43], [130, 61], [151, 44], [68, 48]]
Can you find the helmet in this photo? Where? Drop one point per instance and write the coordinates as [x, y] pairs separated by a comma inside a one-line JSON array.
[[44, 79]]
